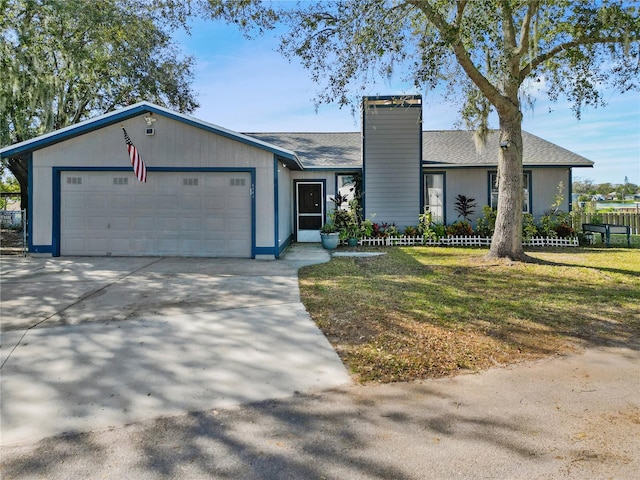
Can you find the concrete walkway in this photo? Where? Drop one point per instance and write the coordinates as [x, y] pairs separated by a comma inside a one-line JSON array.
[[95, 343]]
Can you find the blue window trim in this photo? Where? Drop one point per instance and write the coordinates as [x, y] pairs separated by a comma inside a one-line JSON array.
[[570, 199], [343, 174], [444, 190], [529, 187], [295, 200], [54, 248]]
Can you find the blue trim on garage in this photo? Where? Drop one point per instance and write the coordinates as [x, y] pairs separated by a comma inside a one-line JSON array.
[[23, 148], [276, 208], [264, 251], [54, 248], [30, 202]]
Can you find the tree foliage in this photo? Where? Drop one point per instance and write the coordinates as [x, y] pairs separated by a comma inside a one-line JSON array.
[[62, 61], [487, 54]]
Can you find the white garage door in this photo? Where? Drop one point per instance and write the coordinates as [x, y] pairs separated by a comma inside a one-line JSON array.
[[174, 213]]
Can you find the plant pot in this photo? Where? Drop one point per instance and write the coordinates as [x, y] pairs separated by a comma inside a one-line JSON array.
[[352, 242], [330, 241]]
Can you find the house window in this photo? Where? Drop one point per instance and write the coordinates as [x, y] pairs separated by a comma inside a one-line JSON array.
[[346, 187], [526, 191], [434, 196]]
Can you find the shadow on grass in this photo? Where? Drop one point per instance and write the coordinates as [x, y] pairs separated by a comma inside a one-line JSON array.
[[403, 313]]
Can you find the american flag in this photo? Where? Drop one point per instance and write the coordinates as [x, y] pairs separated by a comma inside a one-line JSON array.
[[139, 167]]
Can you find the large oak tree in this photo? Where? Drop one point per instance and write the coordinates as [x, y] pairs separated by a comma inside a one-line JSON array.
[[485, 53], [63, 61]]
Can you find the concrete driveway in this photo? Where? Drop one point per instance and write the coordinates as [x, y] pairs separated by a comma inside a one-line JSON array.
[[94, 343]]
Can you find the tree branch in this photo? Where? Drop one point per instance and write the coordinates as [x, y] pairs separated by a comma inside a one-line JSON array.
[[531, 66], [525, 31], [508, 28], [451, 36], [461, 5]]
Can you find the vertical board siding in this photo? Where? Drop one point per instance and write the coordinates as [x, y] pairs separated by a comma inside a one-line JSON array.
[[392, 142]]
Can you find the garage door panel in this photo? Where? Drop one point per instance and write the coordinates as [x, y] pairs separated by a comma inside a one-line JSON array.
[[103, 213], [214, 202], [144, 223], [97, 201], [120, 223], [121, 246], [95, 223], [95, 246], [74, 222], [150, 202], [191, 224], [190, 202], [166, 202], [122, 201], [74, 200]]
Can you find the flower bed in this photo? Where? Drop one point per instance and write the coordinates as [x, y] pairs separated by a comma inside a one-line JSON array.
[[464, 241]]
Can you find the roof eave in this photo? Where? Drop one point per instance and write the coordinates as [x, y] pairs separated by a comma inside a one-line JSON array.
[[23, 148]]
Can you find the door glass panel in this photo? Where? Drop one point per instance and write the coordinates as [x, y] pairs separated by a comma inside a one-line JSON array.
[[309, 198], [310, 223]]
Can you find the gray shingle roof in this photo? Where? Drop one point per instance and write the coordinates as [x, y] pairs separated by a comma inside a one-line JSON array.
[[319, 150], [440, 149]]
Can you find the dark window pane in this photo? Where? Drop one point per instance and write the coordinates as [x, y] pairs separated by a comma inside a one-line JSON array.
[[309, 198], [310, 223]]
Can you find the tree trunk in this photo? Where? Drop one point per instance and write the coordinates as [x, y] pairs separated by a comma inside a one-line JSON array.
[[18, 168], [507, 237]]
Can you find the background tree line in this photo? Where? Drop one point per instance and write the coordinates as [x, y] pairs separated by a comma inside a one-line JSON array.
[[587, 188]]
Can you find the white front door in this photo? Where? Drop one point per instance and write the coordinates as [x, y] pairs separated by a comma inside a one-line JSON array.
[[309, 211]]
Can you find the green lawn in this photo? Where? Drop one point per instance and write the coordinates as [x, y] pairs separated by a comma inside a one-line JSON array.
[[420, 312]]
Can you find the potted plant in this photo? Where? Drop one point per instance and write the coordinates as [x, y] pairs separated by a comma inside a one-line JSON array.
[[329, 236], [351, 233]]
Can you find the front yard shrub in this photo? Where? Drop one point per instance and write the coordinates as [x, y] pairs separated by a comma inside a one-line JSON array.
[[460, 229], [486, 224], [529, 228]]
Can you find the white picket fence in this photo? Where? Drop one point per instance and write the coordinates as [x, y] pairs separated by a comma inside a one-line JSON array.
[[463, 241]]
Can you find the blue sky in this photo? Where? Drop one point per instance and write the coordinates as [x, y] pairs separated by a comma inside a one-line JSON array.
[[247, 86]]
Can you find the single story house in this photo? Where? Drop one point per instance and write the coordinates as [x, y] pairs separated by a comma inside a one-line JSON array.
[[214, 192]]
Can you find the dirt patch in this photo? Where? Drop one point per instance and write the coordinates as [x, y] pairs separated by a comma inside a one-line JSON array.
[[11, 242]]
